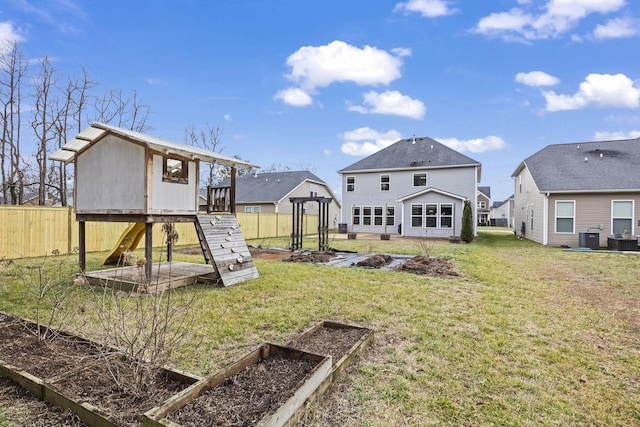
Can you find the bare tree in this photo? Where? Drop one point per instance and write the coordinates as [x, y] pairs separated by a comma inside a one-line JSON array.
[[43, 121], [13, 69], [210, 139], [119, 110]]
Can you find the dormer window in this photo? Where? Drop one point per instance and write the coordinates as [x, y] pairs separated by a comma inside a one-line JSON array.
[[175, 170]]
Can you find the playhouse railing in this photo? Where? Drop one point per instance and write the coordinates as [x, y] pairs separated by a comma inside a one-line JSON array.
[[220, 199]]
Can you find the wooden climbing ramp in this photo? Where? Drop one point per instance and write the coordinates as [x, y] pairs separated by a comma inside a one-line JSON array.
[[224, 247]]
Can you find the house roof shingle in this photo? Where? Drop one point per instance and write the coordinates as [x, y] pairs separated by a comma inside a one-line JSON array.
[[586, 166], [269, 187], [421, 153]]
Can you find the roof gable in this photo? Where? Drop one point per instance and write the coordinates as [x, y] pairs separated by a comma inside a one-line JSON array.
[[270, 187], [586, 166], [431, 190], [419, 153]]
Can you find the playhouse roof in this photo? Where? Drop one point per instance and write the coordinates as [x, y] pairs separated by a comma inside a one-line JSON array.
[[97, 131]]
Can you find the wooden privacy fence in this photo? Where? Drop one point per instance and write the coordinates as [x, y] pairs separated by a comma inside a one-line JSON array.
[[39, 231]]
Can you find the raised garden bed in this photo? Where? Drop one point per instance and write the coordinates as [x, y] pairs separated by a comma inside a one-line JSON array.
[[73, 373], [343, 342], [267, 387]]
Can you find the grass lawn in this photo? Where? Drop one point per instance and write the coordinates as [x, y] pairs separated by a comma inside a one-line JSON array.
[[530, 335]]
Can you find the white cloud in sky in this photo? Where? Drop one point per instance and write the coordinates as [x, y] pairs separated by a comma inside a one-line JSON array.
[[612, 136], [227, 117], [600, 90], [157, 82], [391, 102], [365, 141], [8, 36], [617, 28], [294, 96], [477, 145], [426, 8], [536, 78], [314, 67], [557, 18]]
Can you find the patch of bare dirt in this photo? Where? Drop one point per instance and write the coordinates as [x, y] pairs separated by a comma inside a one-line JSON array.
[[429, 266], [375, 261], [315, 257], [334, 342], [269, 254], [245, 398]]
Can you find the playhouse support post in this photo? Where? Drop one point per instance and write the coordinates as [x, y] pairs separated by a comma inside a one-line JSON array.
[[232, 195], [148, 246], [82, 254]]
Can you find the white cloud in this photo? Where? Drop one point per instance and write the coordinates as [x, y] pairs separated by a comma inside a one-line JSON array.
[[227, 117], [8, 36], [391, 102], [600, 90], [365, 141], [314, 67], [294, 96], [529, 23], [536, 78], [612, 136], [478, 145], [426, 8], [617, 28]]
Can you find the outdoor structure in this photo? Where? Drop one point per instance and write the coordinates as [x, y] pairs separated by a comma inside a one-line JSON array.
[[271, 192], [126, 176], [297, 227], [565, 190], [483, 205], [502, 213], [414, 187]]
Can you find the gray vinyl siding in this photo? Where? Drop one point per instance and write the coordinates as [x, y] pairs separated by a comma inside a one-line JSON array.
[[591, 211], [527, 202], [460, 181]]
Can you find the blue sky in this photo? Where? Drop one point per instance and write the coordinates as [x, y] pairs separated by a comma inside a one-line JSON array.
[[319, 84]]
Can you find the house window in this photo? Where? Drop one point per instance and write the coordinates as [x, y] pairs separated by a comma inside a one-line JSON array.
[[175, 170], [384, 182], [565, 216], [419, 179], [252, 209], [622, 216], [313, 190], [519, 183], [446, 216], [431, 212], [355, 218], [377, 215], [351, 183], [482, 204], [391, 215], [416, 215], [366, 215], [531, 219]]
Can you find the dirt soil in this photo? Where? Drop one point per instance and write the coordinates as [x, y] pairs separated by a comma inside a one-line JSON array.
[[429, 266], [375, 261], [241, 400], [65, 358], [314, 257], [247, 397]]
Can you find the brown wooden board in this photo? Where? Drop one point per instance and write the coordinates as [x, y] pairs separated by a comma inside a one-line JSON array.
[[223, 243], [284, 415]]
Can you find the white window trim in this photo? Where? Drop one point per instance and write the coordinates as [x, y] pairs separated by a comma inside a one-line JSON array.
[[633, 210], [388, 182], [426, 179], [555, 225], [347, 184]]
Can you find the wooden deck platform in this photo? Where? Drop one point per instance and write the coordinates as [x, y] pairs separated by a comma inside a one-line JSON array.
[[164, 275]]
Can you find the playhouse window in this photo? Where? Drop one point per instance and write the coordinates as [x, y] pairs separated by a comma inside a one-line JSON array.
[[176, 170]]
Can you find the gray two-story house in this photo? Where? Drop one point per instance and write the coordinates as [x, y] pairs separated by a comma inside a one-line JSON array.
[[414, 187]]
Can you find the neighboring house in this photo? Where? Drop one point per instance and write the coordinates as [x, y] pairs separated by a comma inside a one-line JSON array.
[[270, 193], [566, 189], [415, 187], [483, 205], [502, 213]]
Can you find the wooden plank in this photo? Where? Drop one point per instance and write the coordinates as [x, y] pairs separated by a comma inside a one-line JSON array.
[[278, 417]]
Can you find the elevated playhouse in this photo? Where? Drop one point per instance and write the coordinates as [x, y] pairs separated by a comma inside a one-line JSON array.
[[130, 177]]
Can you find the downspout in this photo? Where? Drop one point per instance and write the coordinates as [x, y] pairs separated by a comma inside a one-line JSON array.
[[545, 219]]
